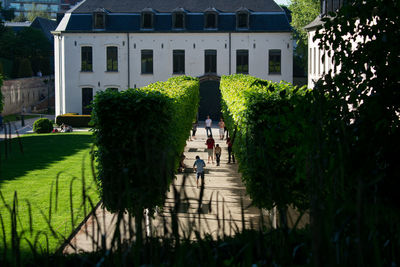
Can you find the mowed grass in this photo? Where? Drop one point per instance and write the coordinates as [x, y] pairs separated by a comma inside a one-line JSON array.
[[32, 177]]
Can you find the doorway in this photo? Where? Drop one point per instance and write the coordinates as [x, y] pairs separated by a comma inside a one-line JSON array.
[[210, 99]]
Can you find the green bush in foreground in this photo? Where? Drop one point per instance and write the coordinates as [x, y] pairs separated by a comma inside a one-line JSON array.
[[140, 134], [267, 131], [42, 125]]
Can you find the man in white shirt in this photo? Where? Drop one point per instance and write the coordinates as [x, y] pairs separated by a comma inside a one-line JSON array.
[[198, 167], [208, 126]]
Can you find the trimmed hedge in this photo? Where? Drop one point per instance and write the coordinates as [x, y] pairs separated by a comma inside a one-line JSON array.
[[74, 120], [1, 94], [42, 125], [262, 118], [140, 135]]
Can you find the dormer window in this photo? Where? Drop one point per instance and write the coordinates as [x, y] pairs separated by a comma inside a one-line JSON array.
[[178, 18], [147, 19], [211, 18], [242, 19], [99, 21]]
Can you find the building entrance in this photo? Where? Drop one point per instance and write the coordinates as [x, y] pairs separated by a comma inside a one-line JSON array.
[[210, 99]]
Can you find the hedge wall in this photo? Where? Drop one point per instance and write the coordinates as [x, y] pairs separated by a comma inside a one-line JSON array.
[[267, 129], [140, 135], [1, 94], [74, 120]]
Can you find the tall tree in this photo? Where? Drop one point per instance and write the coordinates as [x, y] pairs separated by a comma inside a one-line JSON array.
[[303, 12], [35, 12]]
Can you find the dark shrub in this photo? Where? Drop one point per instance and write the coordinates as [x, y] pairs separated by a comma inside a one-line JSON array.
[[73, 120], [42, 125]]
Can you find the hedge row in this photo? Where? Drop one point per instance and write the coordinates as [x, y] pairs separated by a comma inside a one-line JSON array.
[[260, 114], [140, 135], [74, 120]]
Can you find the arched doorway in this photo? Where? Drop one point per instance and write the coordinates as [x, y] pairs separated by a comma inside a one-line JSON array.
[[210, 98]]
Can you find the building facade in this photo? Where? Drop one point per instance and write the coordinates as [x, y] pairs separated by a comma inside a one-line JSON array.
[[129, 44], [317, 65]]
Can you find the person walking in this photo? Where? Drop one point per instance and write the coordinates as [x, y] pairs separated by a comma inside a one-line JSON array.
[[208, 125], [210, 148], [194, 129], [230, 151], [221, 125], [218, 151], [198, 167]]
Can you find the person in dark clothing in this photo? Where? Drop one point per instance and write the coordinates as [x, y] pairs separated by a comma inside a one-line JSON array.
[[230, 151]]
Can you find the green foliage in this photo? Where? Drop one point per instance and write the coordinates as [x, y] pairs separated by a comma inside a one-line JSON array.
[[303, 12], [42, 125], [25, 69], [37, 13], [352, 148], [140, 135], [1, 94], [8, 14], [20, 18], [73, 120], [267, 126], [29, 43]]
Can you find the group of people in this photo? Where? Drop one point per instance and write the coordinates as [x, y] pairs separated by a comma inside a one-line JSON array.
[[64, 129], [213, 149]]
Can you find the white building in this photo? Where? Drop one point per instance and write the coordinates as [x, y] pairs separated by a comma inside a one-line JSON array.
[[316, 65], [127, 44]]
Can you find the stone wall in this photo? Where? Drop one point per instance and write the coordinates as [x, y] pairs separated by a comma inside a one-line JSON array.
[[25, 92]]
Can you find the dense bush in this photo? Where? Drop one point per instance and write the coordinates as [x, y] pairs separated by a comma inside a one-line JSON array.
[[74, 120], [140, 135], [42, 125], [25, 68], [1, 94], [267, 127]]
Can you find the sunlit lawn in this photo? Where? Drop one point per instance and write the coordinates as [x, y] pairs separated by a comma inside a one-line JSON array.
[[31, 175]]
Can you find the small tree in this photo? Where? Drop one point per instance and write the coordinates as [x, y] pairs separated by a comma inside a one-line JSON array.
[[37, 13]]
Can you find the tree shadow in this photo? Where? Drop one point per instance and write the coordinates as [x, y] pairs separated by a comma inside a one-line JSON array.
[[32, 152]]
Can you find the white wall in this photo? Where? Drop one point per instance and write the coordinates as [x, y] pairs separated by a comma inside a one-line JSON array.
[[70, 78]]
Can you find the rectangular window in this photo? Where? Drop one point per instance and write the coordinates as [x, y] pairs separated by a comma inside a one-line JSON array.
[[178, 59], [315, 60], [243, 21], [242, 61], [87, 58], [87, 97], [147, 61], [112, 58], [210, 61], [147, 20], [99, 20], [178, 20], [309, 61], [274, 63], [211, 21]]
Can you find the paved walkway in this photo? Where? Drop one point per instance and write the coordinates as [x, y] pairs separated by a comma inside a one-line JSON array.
[[221, 208], [18, 129]]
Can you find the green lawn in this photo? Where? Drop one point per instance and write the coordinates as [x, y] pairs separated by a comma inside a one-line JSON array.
[[33, 174]]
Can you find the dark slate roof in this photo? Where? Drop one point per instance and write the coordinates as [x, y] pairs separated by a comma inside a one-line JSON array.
[[194, 23], [125, 15], [317, 22], [45, 25], [136, 6]]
